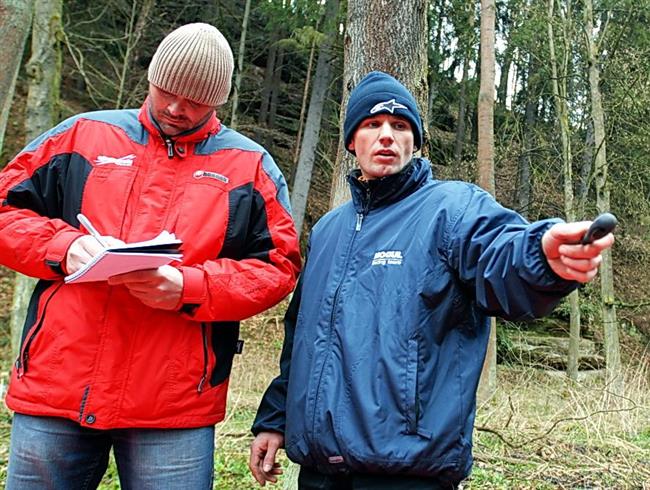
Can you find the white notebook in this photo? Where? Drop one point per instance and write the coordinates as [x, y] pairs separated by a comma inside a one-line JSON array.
[[149, 254]]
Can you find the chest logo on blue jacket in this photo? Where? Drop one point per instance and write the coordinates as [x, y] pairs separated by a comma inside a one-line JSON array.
[[387, 257]]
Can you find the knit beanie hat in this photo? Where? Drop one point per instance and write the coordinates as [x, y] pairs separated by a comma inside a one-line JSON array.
[[194, 61], [379, 93]]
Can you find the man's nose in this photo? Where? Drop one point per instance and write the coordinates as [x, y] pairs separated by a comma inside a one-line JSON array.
[[174, 108], [386, 132]]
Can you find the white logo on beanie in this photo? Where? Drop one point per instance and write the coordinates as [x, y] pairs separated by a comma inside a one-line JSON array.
[[388, 105]]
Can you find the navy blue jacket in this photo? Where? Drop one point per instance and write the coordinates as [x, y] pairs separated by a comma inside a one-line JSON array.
[[387, 331]]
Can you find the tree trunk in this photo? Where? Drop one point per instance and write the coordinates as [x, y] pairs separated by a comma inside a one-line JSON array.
[[610, 323], [485, 155], [305, 166], [267, 84], [485, 160], [559, 87], [502, 91], [240, 65], [16, 18], [44, 69], [509, 21], [44, 72], [275, 92], [459, 140], [585, 171], [524, 183], [374, 40], [303, 109], [435, 56], [465, 50]]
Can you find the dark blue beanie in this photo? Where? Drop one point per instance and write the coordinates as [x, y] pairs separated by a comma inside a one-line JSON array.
[[379, 93]]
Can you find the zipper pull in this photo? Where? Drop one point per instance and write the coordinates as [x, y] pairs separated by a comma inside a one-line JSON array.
[[23, 369], [170, 148], [199, 388], [359, 221]]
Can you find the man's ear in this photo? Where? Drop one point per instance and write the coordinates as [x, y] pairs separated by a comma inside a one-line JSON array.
[[351, 145]]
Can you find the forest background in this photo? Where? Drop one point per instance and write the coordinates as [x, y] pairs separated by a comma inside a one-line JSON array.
[[567, 125]]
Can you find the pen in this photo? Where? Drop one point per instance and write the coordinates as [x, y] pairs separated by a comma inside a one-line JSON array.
[[88, 226]]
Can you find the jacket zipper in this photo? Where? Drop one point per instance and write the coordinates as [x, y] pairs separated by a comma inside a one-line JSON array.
[[82, 406], [23, 359], [204, 376], [357, 228], [364, 211], [170, 147]]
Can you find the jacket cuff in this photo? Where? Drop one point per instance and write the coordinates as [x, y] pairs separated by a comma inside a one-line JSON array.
[[548, 272], [268, 422], [256, 429], [194, 287], [545, 275], [57, 249]]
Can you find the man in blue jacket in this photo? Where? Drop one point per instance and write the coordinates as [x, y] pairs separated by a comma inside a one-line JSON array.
[[387, 331]]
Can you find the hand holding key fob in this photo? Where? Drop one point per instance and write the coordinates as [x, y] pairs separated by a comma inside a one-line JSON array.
[[601, 226]]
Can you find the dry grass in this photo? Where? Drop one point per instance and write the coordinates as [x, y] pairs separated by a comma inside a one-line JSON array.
[[540, 430]]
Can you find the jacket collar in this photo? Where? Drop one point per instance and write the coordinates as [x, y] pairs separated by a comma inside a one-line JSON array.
[[211, 126], [367, 195]]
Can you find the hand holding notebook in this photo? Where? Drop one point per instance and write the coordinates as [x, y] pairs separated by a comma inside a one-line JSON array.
[[111, 261]]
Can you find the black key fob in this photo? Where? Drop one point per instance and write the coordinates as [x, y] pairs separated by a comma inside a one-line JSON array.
[[601, 226]]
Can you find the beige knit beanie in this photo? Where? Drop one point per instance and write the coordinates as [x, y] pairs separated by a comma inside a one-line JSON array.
[[194, 61]]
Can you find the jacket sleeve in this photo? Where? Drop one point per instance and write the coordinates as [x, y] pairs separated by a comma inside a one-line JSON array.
[[499, 256], [271, 414], [35, 233], [259, 263]]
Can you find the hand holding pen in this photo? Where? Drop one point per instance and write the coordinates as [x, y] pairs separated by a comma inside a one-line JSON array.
[[84, 248], [90, 228]]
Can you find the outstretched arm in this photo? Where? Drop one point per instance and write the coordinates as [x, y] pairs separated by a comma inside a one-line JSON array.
[[518, 270]]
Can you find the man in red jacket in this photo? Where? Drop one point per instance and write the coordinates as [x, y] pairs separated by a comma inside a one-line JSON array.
[[140, 363]]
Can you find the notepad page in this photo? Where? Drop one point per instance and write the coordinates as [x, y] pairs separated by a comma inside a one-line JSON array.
[[108, 264]]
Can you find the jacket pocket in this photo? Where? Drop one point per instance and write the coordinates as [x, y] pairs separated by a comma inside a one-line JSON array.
[[205, 347], [34, 321], [200, 216], [412, 392], [106, 196], [411, 388], [297, 449]]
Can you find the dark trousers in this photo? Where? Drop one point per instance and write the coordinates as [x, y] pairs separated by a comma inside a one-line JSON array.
[[309, 479]]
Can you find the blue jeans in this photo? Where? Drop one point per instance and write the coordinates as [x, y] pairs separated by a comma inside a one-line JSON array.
[[56, 453]]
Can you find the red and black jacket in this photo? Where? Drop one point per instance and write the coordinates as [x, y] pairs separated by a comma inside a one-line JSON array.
[[93, 353]]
